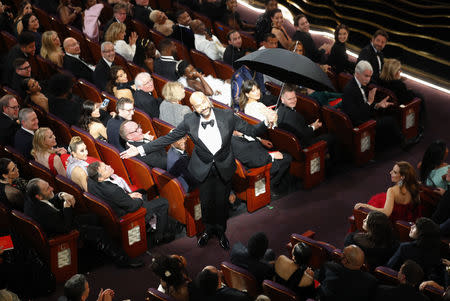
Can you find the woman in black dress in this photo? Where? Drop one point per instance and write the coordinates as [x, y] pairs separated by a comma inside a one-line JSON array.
[[338, 58]]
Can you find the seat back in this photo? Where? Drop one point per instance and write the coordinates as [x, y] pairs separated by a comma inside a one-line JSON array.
[[248, 42], [309, 108], [8, 39], [110, 155], [223, 70], [8, 90], [221, 30], [339, 124], [21, 161], [107, 217], [60, 128], [321, 251], [429, 199], [342, 79], [141, 118], [402, 229], [66, 185], [141, 176], [89, 90], [134, 70], [278, 292], [31, 232], [121, 61], [58, 26], [156, 36], [141, 29], [159, 81], [202, 62], [155, 295], [239, 278], [163, 128], [95, 49], [182, 51], [360, 215], [40, 171], [87, 139]]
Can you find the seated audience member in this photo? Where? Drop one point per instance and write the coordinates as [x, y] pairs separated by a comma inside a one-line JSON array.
[[338, 58], [215, 88], [433, 166], [250, 105], [182, 30], [34, 94], [116, 35], [141, 12], [264, 23], [11, 186], [131, 132], [25, 48], [360, 106], [55, 214], [51, 48], [242, 74], [125, 111], [45, 153], [91, 28], [284, 40], [23, 138], [269, 41], [91, 120], [116, 192], [303, 35], [8, 119], [378, 242], [294, 272], [143, 97], [77, 289], [255, 257], [70, 14], [345, 280], [146, 54], [206, 42], [409, 276], [171, 110], [74, 63], [118, 84], [232, 18], [234, 50], [161, 22], [102, 72], [31, 24], [22, 70], [120, 15], [441, 214], [209, 284], [23, 9], [424, 249], [373, 53], [177, 164], [172, 276], [165, 65], [61, 102], [401, 201]]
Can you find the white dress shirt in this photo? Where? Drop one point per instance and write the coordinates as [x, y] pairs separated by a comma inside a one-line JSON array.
[[362, 90], [213, 49], [210, 136]]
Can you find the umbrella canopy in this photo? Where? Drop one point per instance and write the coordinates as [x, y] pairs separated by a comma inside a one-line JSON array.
[[288, 67]]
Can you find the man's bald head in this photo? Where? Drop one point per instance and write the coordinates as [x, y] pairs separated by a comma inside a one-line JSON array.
[[71, 46], [201, 104], [353, 257]]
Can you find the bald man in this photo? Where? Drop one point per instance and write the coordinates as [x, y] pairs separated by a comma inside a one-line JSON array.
[[74, 63], [212, 162], [346, 281]]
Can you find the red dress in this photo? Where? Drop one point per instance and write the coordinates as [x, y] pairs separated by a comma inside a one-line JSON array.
[[399, 212]]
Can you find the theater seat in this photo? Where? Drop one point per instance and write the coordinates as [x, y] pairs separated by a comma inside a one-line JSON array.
[[182, 51], [429, 200], [202, 62], [58, 26], [278, 292], [40, 171], [95, 49], [134, 70], [159, 81], [356, 220], [46, 68], [64, 184], [240, 279], [87, 139], [156, 36], [221, 31], [163, 128], [141, 176], [89, 90], [155, 295], [8, 39], [141, 118], [342, 79], [141, 29], [20, 160], [84, 46], [60, 252], [223, 70], [60, 128], [110, 155], [321, 251]]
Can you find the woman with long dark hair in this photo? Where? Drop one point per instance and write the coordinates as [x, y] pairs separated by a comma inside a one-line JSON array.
[[433, 167], [91, 122], [338, 58]]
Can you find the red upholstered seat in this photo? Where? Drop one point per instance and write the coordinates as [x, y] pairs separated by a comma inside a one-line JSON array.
[[141, 29], [278, 292], [66, 185], [40, 171], [202, 62], [223, 70], [60, 128], [321, 251], [342, 79], [141, 118], [134, 70], [156, 36], [159, 81], [240, 279], [221, 31], [46, 67], [163, 128], [87, 139], [95, 49], [182, 51], [141, 176], [58, 26], [89, 90], [110, 155]]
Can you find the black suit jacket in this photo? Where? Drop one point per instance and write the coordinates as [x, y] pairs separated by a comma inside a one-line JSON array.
[[368, 54], [177, 166], [142, 14], [157, 158], [147, 103], [23, 143], [8, 129], [112, 130], [68, 109], [400, 292], [166, 69], [353, 104], [310, 49], [184, 35], [8, 69], [202, 159], [259, 268], [293, 122], [102, 74], [77, 67]]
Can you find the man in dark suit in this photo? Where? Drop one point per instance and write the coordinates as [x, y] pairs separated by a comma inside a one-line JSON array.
[[143, 97], [178, 162], [212, 161], [373, 53], [131, 132], [345, 280], [23, 139], [61, 101], [120, 15], [409, 276], [74, 63], [25, 48], [8, 118], [182, 30], [102, 72], [141, 12], [125, 111], [166, 64], [22, 70], [234, 50]]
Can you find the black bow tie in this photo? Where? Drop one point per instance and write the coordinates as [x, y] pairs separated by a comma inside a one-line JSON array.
[[205, 123]]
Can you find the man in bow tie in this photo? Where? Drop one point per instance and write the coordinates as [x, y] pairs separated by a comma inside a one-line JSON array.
[[212, 162], [373, 53]]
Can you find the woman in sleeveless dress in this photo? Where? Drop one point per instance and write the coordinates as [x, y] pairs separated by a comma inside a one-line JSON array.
[[401, 201], [284, 40], [45, 153], [433, 166], [249, 102]]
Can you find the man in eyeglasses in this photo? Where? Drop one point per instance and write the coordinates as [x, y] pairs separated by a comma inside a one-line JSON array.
[[143, 97], [125, 111], [22, 70], [8, 123]]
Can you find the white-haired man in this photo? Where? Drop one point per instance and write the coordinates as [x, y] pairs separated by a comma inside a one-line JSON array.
[[143, 98]]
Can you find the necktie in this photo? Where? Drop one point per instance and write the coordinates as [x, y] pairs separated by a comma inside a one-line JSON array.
[[205, 123]]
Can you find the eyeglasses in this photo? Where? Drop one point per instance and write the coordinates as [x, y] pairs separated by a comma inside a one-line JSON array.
[[129, 110], [14, 107], [25, 68], [136, 130]]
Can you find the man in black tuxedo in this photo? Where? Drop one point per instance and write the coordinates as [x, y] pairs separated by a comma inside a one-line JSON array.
[[141, 12], [102, 72], [8, 119], [61, 101], [166, 64], [23, 139], [373, 53], [74, 63], [212, 162], [131, 132], [409, 276], [182, 30], [143, 97], [125, 111], [178, 162], [25, 48]]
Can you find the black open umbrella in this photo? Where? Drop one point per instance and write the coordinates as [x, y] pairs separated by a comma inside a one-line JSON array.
[[288, 67]]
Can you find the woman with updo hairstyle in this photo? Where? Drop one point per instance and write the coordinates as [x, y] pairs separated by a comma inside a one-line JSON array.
[[34, 94], [24, 8], [119, 85], [401, 201], [433, 166], [146, 54], [338, 57], [12, 187], [284, 40], [249, 102], [378, 242], [294, 272], [91, 122], [51, 48], [171, 110], [45, 153]]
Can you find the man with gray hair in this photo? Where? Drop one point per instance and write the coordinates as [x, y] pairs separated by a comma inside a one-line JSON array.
[[360, 105], [77, 289], [102, 72], [8, 119], [143, 98], [23, 139]]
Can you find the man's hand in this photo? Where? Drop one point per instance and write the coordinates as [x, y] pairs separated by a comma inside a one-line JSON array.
[[277, 155], [105, 295], [135, 195], [316, 124], [266, 143], [148, 136], [384, 103], [67, 197], [131, 152]]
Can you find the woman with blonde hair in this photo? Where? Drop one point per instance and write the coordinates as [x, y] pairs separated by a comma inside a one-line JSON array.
[[391, 78], [161, 23], [171, 110], [45, 153], [51, 48], [116, 35]]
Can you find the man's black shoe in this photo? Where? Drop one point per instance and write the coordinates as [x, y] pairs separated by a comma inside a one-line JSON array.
[[203, 240], [223, 242]]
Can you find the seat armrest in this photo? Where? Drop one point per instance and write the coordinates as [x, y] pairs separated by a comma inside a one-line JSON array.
[[63, 251], [133, 233], [409, 118], [314, 170], [364, 142]]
